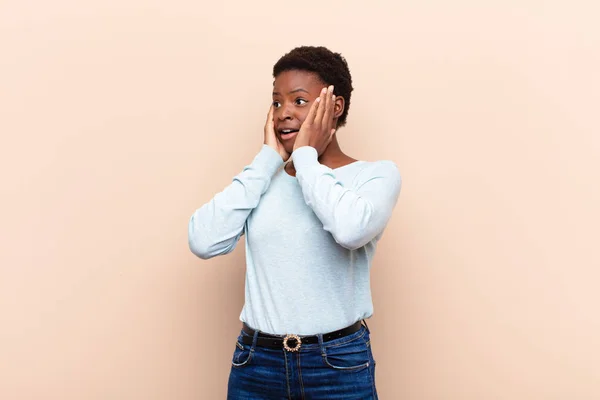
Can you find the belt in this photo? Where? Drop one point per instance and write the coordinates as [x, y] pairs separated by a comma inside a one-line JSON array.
[[293, 342]]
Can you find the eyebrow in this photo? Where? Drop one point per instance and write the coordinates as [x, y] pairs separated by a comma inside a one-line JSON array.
[[293, 91]]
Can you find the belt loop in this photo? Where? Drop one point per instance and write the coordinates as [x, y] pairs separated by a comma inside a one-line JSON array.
[[321, 345], [254, 340], [366, 326]]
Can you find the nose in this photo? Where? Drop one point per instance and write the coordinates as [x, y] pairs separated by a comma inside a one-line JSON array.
[[285, 112]]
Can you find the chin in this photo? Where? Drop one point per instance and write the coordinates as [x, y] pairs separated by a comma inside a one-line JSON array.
[[289, 147]]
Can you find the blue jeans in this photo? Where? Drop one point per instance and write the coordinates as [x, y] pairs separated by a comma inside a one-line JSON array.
[[342, 368]]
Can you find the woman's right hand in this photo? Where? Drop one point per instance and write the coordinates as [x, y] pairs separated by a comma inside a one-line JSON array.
[[271, 138]]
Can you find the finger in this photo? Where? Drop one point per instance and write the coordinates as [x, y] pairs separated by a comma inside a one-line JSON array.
[[269, 124], [327, 116], [310, 118], [321, 110], [332, 115]]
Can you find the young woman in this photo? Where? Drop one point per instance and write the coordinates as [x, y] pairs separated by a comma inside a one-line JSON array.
[[311, 216]]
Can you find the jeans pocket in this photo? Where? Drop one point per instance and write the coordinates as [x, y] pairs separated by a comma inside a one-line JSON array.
[[370, 349], [350, 356], [241, 355]]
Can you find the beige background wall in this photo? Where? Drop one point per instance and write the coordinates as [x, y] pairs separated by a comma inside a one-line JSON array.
[[119, 118]]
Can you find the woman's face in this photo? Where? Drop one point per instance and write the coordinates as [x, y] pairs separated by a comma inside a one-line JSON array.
[[293, 94]]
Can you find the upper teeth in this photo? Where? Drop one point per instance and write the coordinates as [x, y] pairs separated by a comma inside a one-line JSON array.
[[286, 130]]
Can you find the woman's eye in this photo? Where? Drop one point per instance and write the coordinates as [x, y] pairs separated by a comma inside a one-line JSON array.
[[276, 104], [301, 101]]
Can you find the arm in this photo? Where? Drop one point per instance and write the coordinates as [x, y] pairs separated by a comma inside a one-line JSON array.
[[353, 215], [215, 228]]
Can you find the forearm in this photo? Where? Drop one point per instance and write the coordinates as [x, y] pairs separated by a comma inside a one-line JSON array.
[[353, 215], [216, 227]]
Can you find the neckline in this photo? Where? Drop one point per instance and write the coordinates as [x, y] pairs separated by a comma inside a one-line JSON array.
[[333, 169]]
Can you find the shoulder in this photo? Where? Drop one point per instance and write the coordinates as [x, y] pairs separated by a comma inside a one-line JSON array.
[[385, 171]]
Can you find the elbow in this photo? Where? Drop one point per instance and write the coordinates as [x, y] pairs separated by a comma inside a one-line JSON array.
[[199, 253], [199, 248], [197, 242], [350, 240], [205, 243], [354, 233]]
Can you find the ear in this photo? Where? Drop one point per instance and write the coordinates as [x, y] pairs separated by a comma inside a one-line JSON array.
[[338, 107]]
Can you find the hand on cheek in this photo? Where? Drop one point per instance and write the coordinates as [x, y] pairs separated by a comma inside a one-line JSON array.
[[271, 138], [317, 129]]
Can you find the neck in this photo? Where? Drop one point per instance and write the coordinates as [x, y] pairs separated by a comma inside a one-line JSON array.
[[332, 157], [333, 154]]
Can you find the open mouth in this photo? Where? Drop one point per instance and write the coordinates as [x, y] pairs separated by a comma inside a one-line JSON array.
[[287, 134]]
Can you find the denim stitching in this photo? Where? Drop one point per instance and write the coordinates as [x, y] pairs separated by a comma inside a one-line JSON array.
[[371, 368], [243, 364], [354, 368], [287, 376], [300, 376]]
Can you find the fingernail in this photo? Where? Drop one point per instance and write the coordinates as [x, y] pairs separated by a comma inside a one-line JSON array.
[[331, 88], [324, 90], [318, 99]]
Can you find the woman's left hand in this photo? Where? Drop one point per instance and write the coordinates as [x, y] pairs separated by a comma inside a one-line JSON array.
[[317, 129]]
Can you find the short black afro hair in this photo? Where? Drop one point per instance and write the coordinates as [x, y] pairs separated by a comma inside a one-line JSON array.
[[331, 68]]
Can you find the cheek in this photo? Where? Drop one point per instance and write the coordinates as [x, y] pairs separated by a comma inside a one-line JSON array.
[[303, 114]]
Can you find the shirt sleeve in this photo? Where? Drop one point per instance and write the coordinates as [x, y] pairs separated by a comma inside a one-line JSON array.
[[353, 215], [215, 228]]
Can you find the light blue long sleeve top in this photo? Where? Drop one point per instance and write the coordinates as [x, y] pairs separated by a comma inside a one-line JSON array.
[[310, 239]]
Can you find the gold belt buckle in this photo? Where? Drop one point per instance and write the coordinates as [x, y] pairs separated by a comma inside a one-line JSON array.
[[296, 338]]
